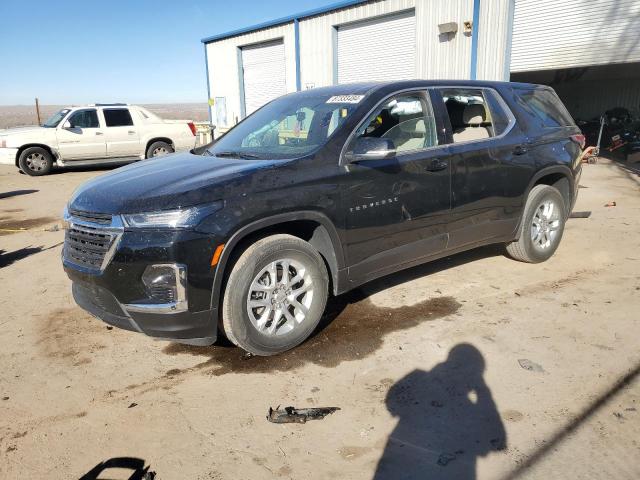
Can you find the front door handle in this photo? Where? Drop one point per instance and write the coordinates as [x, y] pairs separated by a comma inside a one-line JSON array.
[[436, 165], [99, 133], [520, 150]]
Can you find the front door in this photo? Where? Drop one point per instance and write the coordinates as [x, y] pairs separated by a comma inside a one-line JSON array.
[[123, 139], [397, 208], [81, 136]]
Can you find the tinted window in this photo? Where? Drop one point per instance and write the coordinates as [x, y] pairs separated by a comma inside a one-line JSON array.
[[546, 105], [84, 119], [407, 120], [117, 117]]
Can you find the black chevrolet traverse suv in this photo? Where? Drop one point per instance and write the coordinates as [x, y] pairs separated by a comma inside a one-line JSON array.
[[314, 194]]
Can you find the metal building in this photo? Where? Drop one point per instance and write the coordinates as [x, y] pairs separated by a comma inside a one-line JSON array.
[[351, 41], [356, 40]]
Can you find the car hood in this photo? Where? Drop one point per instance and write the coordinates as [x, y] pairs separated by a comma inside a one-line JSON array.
[[27, 130], [163, 183], [14, 137]]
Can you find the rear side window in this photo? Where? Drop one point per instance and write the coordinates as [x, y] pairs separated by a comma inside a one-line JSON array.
[[84, 119], [117, 117], [474, 114], [546, 105]]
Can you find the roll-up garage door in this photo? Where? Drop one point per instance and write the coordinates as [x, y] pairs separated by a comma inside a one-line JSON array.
[[378, 49], [263, 68]]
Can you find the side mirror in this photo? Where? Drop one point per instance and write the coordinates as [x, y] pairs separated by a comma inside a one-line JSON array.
[[371, 148], [66, 124]]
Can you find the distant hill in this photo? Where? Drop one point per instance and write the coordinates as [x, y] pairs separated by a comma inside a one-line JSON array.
[[19, 115]]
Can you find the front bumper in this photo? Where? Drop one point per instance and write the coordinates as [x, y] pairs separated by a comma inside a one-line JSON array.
[[112, 293], [193, 328], [8, 156]]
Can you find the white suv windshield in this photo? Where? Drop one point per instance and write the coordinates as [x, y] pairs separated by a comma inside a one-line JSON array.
[[289, 127], [55, 119]]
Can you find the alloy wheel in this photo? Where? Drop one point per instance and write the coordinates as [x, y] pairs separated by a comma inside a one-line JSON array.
[[279, 297]]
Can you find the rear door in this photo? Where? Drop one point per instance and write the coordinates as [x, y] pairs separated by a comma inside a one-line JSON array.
[[397, 209], [83, 138], [483, 150], [122, 136]]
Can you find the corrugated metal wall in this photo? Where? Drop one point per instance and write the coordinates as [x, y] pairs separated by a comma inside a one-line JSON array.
[[586, 100], [551, 34], [442, 56], [494, 39], [224, 66]]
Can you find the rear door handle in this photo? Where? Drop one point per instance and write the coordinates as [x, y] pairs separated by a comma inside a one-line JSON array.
[[131, 132], [436, 165], [520, 150]]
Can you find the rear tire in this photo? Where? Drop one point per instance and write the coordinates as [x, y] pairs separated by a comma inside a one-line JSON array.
[[542, 226], [275, 295], [35, 161], [159, 149]]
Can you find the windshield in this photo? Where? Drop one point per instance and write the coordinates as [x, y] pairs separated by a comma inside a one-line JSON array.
[[55, 119], [288, 127]]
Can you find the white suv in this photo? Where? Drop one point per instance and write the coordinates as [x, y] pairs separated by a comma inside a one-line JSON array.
[[94, 134]]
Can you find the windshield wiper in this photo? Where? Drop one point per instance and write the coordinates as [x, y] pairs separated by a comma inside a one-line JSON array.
[[247, 156]]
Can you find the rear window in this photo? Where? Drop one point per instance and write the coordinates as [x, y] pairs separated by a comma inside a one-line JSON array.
[[546, 105], [117, 117]]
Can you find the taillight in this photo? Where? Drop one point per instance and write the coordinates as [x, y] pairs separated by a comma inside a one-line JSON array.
[[579, 139], [192, 127]]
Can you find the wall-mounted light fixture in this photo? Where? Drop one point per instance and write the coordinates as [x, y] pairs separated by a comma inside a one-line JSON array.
[[447, 31]]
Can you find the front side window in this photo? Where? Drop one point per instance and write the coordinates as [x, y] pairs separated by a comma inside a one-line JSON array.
[[84, 119], [117, 117], [288, 127], [407, 120]]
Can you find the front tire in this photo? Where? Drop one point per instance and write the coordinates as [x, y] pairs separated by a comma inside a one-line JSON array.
[[275, 295], [159, 149], [542, 226], [35, 161]]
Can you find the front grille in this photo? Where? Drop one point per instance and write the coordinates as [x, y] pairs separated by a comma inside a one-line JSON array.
[[87, 246], [98, 218]]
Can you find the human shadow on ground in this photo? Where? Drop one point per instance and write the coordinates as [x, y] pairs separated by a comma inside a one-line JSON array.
[[447, 419], [7, 258], [140, 472]]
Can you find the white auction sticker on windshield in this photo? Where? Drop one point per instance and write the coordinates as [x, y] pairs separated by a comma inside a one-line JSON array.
[[345, 99]]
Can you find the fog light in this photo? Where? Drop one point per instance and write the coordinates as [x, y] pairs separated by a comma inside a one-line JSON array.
[[166, 285]]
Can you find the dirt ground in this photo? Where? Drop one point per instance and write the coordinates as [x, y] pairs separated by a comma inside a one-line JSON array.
[[475, 366]]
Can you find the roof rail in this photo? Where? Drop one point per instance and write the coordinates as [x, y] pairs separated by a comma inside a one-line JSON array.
[[109, 104]]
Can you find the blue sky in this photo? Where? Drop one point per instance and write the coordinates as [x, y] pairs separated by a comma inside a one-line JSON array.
[[138, 51]]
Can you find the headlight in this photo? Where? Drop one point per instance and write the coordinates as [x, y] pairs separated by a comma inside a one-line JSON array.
[[180, 218]]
